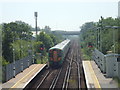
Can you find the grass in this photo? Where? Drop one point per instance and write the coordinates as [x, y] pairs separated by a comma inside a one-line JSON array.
[[84, 55], [42, 60]]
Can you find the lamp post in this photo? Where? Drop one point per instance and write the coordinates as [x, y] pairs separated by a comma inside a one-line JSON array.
[[13, 62], [98, 38], [114, 28], [28, 37], [13, 58], [28, 54], [100, 28], [21, 50], [21, 57]]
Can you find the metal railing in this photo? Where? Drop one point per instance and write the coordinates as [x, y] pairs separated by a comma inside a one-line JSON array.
[[20, 65], [109, 64]]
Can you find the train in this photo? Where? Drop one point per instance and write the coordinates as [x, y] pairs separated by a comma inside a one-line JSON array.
[[57, 53]]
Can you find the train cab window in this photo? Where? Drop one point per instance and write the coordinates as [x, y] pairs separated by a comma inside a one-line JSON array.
[[55, 52]]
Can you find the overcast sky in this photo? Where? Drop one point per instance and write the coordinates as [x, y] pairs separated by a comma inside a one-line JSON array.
[[59, 15]]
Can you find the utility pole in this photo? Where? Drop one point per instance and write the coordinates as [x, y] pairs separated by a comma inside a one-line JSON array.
[[36, 15]]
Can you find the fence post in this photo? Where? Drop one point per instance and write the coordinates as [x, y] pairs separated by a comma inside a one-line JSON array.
[[28, 61], [21, 63], [3, 74]]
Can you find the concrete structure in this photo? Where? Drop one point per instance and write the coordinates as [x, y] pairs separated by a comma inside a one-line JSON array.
[[90, 76], [118, 67], [108, 64], [100, 60], [95, 79], [105, 83], [22, 79], [111, 65]]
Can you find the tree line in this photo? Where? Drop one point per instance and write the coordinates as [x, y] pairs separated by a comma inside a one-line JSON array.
[[101, 35], [18, 42]]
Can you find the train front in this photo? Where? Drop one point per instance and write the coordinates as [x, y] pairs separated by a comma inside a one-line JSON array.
[[55, 58]]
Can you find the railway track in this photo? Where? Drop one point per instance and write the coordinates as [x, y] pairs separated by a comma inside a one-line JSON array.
[[70, 75], [49, 81]]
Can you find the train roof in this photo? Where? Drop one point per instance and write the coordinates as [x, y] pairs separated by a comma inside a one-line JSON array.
[[61, 45]]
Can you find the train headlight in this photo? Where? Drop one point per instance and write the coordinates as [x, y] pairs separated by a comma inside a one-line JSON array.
[[59, 59]]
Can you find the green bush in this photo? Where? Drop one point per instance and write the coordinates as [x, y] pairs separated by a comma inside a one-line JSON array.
[[4, 62]]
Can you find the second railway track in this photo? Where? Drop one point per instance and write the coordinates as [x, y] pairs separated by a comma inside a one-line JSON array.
[[70, 75]]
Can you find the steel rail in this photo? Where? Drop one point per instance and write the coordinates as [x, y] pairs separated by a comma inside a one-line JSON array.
[[79, 84], [43, 80], [52, 86], [68, 77], [67, 74], [64, 82]]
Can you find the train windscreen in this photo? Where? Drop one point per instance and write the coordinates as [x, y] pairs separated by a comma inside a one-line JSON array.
[[55, 55]]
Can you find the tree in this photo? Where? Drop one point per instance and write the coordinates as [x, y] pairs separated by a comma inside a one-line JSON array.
[[46, 39], [89, 33], [11, 32], [47, 29], [55, 39], [7, 37]]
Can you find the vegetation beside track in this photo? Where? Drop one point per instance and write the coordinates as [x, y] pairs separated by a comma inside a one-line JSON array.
[[17, 38], [84, 55], [108, 35]]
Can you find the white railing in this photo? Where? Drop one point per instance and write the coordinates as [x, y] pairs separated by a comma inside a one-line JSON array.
[[109, 64]]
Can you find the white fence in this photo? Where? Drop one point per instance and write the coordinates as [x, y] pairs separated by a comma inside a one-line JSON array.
[[109, 64]]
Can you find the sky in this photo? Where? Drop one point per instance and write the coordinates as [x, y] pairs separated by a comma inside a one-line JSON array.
[[66, 15]]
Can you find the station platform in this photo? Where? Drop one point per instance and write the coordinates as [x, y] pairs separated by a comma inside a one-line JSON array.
[[23, 78], [93, 75], [95, 78]]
